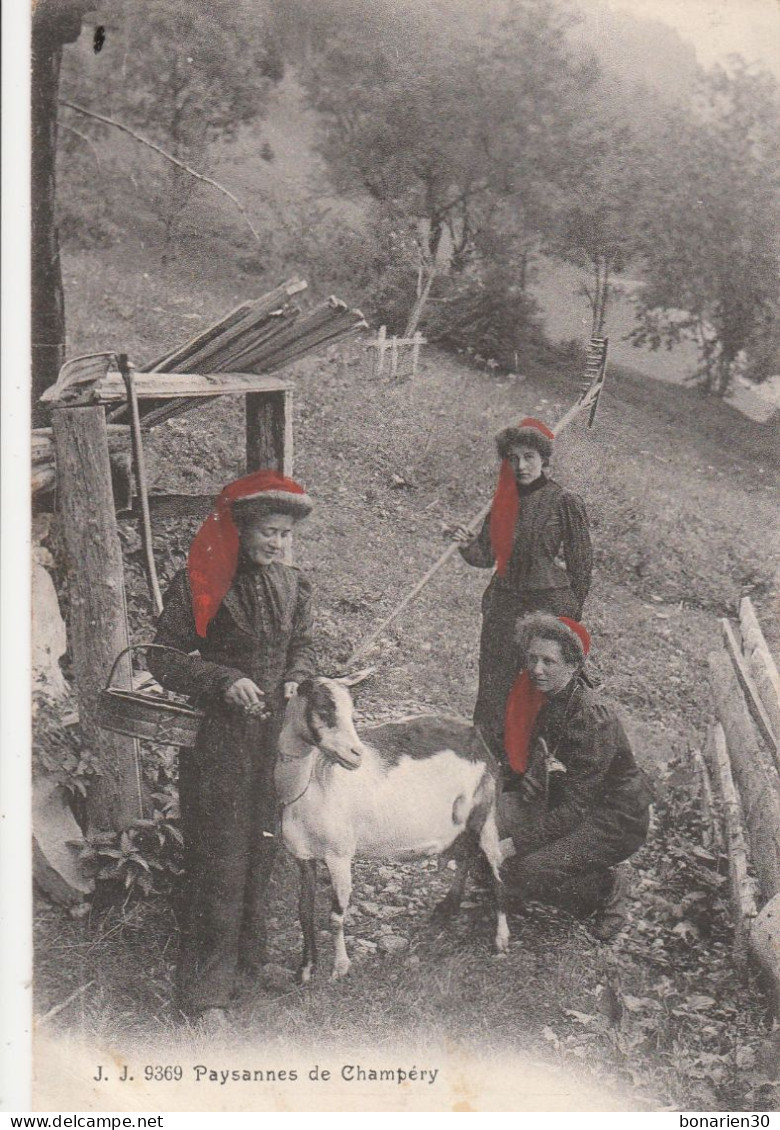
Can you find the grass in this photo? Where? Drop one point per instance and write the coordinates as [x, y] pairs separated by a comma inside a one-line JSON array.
[[681, 495]]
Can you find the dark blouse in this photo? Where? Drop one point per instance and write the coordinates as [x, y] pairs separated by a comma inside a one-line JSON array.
[[262, 629], [551, 523], [584, 733]]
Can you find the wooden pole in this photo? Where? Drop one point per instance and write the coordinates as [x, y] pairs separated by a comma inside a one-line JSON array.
[[712, 834], [269, 434], [97, 629], [742, 892], [752, 697], [754, 772], [760, 661], [381, 345]]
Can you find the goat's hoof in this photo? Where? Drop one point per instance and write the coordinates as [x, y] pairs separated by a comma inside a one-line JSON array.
[[444, 910], [500, 955], [341, 969], [304, 974]]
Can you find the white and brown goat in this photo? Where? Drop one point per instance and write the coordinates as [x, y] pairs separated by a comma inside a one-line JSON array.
[[403, 790]]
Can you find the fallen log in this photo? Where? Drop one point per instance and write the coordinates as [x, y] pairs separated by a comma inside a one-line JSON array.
[[753, 771]]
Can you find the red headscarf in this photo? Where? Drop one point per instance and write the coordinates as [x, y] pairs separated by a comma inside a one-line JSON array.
[[506, 504], [213, 556], [524, 704]]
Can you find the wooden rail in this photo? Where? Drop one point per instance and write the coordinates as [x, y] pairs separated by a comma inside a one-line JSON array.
[[741, 753]]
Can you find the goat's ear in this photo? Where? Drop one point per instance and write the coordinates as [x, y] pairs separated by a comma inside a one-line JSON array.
[[305, 687], [355, 677]]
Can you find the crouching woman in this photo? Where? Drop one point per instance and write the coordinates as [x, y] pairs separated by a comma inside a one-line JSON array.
[[243, 619], [582, 804]]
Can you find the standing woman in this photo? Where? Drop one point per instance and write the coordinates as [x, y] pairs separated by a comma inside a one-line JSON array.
[[242, 618], [536, 535]]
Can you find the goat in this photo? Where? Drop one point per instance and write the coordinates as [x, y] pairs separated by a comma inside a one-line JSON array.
[[404, 790]]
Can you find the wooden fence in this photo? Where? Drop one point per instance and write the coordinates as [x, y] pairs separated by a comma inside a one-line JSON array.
[[742, 762], [404, 354]]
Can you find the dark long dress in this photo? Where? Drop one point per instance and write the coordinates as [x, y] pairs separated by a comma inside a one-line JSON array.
[[228, 805], [592, 816], [552, 524]]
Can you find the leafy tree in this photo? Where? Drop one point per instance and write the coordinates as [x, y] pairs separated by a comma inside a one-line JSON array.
[[709, 229], [596, 227], [186, 74], [445, 123]]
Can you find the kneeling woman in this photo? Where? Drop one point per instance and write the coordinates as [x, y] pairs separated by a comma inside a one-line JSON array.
[[582, 804], [533, 523], [247, 614]]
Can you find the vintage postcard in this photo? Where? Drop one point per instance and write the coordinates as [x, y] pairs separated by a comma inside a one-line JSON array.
[[403, 446]]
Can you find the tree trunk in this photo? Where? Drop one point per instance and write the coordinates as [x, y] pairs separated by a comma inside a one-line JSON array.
[[55, 22], [97, 629]]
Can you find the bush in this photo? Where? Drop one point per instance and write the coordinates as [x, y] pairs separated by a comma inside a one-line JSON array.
[[487, 313]]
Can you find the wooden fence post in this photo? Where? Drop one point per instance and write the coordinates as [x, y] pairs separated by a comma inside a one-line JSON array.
[[269, 431], [97, 617], [269, 435]]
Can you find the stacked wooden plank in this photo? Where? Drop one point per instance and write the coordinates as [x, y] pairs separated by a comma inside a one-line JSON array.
[[256, 337], [42, 450]]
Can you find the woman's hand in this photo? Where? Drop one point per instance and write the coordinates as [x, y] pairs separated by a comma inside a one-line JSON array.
[[290, 689], [462, 535], [247, 696]]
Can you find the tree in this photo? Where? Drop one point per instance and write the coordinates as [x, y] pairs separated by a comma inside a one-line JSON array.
[[709, 230], [187, 75], [596, 227], [445, 122], [55, 23]]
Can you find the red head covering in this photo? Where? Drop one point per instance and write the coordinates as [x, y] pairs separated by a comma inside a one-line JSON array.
[[524, 704], [213, 556], [506, 502]]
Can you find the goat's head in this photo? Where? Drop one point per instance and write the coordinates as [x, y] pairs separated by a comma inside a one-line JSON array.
[[322, 711]]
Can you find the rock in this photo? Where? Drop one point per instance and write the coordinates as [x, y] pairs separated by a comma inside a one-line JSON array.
[[369, 907], [57, 868], [393, 943], [48, 634], [391, 911]]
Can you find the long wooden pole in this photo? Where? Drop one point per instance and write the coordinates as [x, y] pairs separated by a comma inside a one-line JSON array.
[[97, 627], [473, 527]]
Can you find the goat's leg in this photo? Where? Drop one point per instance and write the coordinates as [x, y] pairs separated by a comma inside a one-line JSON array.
[[450, 904], [490, 843], [307, 869], [340, 868]]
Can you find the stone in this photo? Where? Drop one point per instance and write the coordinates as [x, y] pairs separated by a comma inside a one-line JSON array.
[[57, 867], [393, 943], [48, 637]]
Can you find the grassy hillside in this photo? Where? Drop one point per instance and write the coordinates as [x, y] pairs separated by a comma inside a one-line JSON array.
[[681, 495]]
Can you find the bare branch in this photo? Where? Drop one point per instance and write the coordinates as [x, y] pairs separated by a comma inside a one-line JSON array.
[[168, 157], [89, 141]]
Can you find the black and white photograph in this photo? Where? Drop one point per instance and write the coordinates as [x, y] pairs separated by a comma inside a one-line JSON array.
[[403, 400]]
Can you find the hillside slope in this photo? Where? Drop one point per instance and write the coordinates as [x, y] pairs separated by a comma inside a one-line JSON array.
[[681, 493]]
